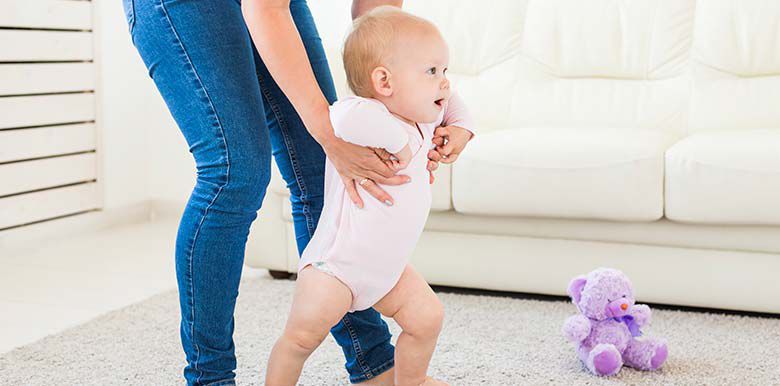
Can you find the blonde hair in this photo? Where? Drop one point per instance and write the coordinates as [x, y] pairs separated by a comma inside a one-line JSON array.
[[370, 42]]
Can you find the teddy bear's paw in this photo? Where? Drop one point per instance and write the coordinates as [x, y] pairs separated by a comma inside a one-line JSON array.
[[646, 353], [661, 352], [605, 360]]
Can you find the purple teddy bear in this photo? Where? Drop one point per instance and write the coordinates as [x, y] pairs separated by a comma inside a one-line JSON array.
[[606, 330]]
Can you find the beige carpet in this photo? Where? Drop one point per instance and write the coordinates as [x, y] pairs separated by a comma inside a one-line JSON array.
[[487, 340]]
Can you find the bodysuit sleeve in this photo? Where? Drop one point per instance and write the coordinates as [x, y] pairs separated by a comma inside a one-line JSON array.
[[367, 122], [457, 114]]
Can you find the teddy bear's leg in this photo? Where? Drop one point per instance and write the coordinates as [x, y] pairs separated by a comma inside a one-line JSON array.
[[645, 353], [604, 359]]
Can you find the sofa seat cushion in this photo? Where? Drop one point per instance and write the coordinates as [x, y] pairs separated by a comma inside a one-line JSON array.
[[725, 177], [608, 173]]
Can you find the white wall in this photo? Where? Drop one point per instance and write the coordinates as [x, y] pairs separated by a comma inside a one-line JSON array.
[[333, 20], [145, 156]]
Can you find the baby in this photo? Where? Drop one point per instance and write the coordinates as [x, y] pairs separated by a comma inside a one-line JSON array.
[[358, 257]]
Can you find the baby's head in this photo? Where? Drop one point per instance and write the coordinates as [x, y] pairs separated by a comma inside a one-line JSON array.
[[399, 59]]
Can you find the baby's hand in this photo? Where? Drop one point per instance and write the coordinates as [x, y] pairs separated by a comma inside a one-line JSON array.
[[401, 159], [456, 140]]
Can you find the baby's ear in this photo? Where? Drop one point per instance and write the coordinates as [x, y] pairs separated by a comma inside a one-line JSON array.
[[381, 81], [575, 288]]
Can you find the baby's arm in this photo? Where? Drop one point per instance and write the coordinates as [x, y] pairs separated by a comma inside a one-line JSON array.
[[368, 123], [402, 158], [453, 132], [457, 114]]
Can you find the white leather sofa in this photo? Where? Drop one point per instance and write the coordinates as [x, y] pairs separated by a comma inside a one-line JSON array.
[[637, 134]]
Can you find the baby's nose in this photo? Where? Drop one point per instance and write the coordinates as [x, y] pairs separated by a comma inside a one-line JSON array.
[[445, 84]]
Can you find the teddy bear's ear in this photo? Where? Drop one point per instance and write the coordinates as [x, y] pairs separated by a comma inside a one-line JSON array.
[[575, 288]]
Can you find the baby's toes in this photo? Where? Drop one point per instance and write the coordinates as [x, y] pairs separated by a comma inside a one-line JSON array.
[[429, 381]]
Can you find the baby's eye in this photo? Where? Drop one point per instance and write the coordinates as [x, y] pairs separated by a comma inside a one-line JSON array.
[[444, 72], [432, 71]]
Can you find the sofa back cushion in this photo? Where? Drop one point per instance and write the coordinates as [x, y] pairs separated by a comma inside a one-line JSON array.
[[736, 65], [605, 63]]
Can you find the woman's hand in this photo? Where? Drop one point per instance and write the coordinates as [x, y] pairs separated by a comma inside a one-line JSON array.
[[456, 140], [355, 163], [447, 151], [399, 160]]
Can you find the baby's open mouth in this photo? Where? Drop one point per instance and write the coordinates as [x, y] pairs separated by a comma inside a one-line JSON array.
[[439, 101]]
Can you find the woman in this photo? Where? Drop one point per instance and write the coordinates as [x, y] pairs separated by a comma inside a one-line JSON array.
[[238, 99]]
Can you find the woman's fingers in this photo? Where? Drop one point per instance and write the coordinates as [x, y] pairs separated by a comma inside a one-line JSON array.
[[392, 164], [373, 189], [349, 184], [382, 153], [394, 180], [378, 166], [434, 155], [446, 150], [372, 165], [360, 158], [370, 186], [441, 131], [450, 159], [432, 165]]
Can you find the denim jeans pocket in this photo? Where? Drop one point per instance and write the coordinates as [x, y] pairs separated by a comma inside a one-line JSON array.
[[129, 6]]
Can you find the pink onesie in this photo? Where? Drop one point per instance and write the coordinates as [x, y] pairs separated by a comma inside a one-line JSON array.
[[368, 249]]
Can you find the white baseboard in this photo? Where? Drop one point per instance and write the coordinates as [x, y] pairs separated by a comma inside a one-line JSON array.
[[22, 238]]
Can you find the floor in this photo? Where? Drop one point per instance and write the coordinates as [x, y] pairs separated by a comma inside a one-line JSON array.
[[486, 340], [50, 288]]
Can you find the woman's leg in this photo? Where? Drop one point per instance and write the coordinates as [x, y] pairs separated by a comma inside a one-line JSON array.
[[200, 56], [363, 335]]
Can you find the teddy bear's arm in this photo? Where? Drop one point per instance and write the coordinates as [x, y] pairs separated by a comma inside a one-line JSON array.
[[576, 328], [641, 314]]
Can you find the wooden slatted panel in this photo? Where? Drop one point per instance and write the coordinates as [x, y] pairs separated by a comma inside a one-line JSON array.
[[39, 78], [46, 204], [44, 46], [48, 164], [16, 145], [55, 14], [19, 177], [39, 110]]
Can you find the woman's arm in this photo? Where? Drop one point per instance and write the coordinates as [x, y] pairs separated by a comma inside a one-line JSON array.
[[277, 40], [279, 44], [273, 31]]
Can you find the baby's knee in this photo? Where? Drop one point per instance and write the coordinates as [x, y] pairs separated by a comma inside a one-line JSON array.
[[304, 341], [427, 321]]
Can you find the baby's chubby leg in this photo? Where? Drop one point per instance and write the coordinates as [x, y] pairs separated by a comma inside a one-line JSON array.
[[320, 301], [420, 314]]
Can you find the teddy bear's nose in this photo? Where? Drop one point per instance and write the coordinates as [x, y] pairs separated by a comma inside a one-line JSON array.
[[623, 306]]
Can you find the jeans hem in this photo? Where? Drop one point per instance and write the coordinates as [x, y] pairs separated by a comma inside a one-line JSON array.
[[376, 371], [229, 382]]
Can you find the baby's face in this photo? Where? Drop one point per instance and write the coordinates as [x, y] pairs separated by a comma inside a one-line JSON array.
[[420, 86]]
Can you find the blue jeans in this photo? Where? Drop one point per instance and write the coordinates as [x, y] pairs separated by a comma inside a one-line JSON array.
[[233, 117]]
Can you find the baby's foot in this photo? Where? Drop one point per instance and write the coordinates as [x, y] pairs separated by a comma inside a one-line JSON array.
[[429, 381]]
